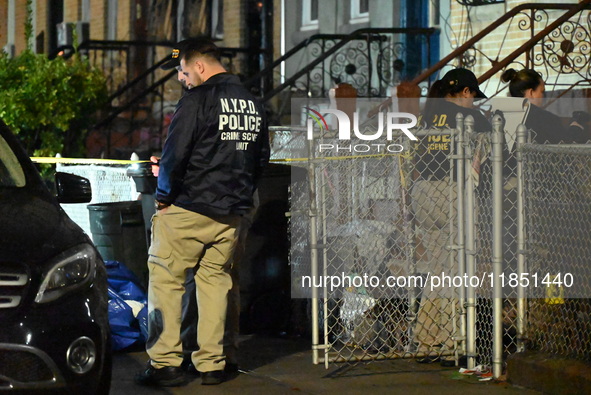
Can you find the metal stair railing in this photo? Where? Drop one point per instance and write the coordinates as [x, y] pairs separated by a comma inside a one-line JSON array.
[[329, 45], [127, 92], [572, 9], [532, 60]]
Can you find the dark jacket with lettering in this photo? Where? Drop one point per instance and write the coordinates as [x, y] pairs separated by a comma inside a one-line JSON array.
[[216, 149], [433, 162]]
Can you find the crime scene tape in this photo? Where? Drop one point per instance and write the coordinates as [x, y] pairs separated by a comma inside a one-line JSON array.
[[87, 161], [93, 161], [339, 157]]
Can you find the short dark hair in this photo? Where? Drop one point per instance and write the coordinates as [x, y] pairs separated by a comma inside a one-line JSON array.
[[200, 46]]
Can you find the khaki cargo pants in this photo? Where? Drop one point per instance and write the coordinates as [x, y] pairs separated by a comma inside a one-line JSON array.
[[434, 327], [184, 240]]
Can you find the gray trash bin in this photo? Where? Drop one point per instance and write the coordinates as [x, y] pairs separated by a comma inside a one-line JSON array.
[[118, 232], [146, 184]]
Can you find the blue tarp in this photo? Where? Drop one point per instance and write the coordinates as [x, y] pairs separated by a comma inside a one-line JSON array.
[[126, 328]]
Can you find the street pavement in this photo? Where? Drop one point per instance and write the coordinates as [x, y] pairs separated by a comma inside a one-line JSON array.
[[282, 365]]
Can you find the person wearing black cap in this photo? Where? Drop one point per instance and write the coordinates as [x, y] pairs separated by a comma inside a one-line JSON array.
[[432, 190], [174, 59], [189, 309], [190, 312], [213, 157]]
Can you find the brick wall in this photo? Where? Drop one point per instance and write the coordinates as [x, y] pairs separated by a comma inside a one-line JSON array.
[[235, 30], [19, 34], [72, 10], [276, 28], [234, 23], [98, 9], [123, 20], [3, 24]]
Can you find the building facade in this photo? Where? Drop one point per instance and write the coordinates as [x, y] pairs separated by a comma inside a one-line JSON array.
[[374, 45]]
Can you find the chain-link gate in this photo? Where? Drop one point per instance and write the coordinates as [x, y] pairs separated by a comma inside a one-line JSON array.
[[381, 257], [379, 231], [375, 237]]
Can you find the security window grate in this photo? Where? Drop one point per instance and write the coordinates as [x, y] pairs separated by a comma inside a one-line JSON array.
[[479, 2]]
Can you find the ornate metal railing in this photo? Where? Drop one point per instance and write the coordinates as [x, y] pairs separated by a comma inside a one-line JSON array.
[[554, 40], [371, 60]]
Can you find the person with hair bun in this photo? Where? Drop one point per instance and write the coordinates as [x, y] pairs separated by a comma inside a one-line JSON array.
[[548, 127]]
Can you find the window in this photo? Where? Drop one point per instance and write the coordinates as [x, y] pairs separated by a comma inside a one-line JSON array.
[[85, 14], [473, 3], [359, 11], [434, 13], [309, 14], [10, 22], [31, 43], [55, 13], [112, 6], [217, 19]]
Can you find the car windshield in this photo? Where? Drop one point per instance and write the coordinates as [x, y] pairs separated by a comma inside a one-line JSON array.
[[11, 172]]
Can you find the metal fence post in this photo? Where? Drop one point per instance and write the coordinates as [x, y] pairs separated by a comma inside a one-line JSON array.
[[521, 292], [313, 214], [497, 245], [470, 300], [325, 311], [409, 231], [460, 142]]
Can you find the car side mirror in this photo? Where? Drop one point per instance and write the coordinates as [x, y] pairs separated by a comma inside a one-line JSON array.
[[72, 188]]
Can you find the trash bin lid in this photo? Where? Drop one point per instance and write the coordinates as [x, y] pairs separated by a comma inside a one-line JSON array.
[[131, 205]]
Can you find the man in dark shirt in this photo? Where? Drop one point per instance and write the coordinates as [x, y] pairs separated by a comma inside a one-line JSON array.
[[215, 152]]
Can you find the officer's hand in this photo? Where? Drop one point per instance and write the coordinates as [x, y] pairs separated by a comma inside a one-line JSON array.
[[156, 165]]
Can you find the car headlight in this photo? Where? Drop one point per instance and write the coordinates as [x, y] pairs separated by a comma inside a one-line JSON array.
[[69, 270]]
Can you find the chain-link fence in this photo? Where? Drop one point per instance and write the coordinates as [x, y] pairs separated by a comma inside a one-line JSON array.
[[109, 184], [480, 246], [557, 188], [411, 254]]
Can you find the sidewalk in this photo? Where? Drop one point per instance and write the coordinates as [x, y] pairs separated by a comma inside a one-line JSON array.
[[271, 365]]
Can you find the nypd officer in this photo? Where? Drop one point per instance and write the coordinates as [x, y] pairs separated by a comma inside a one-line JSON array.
[[431, 194], [215, 152]]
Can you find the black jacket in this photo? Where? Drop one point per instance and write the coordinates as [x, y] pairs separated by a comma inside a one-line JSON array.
[[549, 128], [216, 149], [435, 149]]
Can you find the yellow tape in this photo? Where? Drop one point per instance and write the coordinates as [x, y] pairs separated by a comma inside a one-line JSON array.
[[337, 157], [288, 160], [86, 161], [91, 161], [554, 292]]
